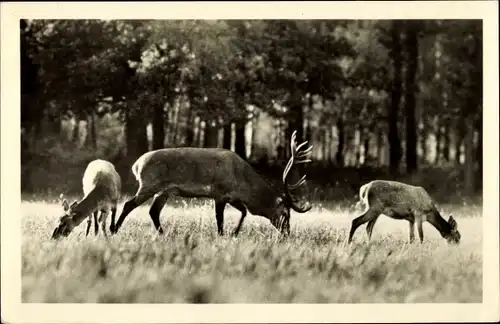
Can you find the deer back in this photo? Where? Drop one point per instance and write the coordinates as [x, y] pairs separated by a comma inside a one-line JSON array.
[[102, 176], [399, 197], [196, 172]]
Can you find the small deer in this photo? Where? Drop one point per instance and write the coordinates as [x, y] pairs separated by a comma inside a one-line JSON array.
[[101, 187], [221, 175], [402, 201]]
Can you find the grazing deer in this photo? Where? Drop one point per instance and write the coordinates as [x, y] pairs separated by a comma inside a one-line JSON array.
[[218, 174], [101, 187], [402, 201]]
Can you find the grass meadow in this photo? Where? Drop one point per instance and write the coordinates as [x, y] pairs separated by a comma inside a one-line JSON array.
[[191, 264]]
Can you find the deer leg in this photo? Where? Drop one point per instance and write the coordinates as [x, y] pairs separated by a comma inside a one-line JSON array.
[[420, 231], [158, 202], [113, 215], [140, 198], [241, 207], [89, 222], [369, 227], [96, 223], [102, 220], [412, 231], [369, 215], [219, 215]]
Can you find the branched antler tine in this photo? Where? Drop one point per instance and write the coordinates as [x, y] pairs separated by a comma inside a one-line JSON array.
[[298, 184], [292, 150], [293, 145], [308, 150], [287, 169], [302, 161], [300, 146], [302, 157], [304, 154]]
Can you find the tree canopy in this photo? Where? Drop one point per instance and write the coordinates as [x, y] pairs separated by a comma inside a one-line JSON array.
[[356, 89]]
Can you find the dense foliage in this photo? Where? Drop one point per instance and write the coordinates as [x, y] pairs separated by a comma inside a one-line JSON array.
[[400, 94]]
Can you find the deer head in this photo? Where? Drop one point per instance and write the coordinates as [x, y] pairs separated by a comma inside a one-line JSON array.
[[454, 236], [299, 155], [66, 222]]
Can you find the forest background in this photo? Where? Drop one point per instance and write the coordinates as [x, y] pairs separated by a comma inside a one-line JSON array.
[[378, 99]]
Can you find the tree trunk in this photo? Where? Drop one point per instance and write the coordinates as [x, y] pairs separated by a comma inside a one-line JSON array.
[[210, 135], [395, 150], [410, 92], [158, 127], [31, 114], [176, 105], [438, 143], [37, 131], [308, 130], [479, 156], [380, 147], [135, 133], [296, 119], [190, 128], [129, 133], [366, 145], [91, 139], [254, 141], [470, 160], [423, 143], [446, 142], [458, 148], [226, 140], [200, 135], [339, 156], [358, 146], [55, 124], [326, 145], [93, 129], [240, 140], [76, 131]]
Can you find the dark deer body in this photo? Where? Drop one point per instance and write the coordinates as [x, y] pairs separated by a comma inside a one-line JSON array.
[[214, 173], [101, 187], [402, 201]]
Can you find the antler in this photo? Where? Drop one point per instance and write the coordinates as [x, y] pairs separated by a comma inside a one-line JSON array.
[[298, 156]]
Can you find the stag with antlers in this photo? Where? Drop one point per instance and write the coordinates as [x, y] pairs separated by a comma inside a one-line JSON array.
[[218, 174]]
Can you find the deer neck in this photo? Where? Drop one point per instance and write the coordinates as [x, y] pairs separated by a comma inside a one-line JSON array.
[[263, 199], [87, 205], [439, 223]]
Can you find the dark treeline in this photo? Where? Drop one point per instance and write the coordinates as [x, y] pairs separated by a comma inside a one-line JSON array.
[[393, 99]]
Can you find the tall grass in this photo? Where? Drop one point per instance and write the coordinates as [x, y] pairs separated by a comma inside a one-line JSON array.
[[191, 264]]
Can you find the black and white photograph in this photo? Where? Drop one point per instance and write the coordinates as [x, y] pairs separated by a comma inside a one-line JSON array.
[[349, 160]]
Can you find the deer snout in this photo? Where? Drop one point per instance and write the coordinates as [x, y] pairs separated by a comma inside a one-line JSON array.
[[282, 224], [56, 234], [60, 231], [453, 239]]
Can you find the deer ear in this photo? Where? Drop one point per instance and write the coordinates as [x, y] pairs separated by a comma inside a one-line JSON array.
[[65, 205], [452, 222]]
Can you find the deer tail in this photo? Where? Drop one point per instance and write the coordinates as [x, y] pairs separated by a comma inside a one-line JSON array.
[[363, 194], [135, 170]]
